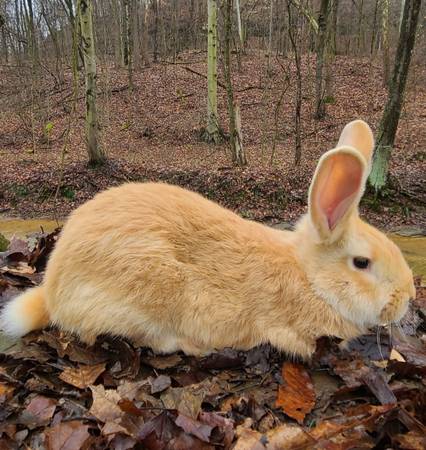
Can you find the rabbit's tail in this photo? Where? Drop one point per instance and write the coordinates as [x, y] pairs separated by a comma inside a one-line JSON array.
[[24, 313]]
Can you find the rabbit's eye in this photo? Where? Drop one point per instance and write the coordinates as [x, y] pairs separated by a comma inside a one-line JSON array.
[[361, 263]]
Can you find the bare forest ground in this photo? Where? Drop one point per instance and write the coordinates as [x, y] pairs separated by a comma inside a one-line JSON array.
[[56, 393], [153, 133]]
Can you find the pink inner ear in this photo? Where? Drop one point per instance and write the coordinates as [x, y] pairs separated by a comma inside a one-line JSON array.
[[339, 184]]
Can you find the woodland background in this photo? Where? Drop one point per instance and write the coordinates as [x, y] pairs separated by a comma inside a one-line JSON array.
[[296, 71]]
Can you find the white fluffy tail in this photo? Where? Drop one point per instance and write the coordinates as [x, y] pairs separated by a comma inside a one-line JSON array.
[[24, 313]]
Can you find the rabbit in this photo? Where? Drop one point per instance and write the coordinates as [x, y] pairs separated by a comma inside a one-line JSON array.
[[171, 270]]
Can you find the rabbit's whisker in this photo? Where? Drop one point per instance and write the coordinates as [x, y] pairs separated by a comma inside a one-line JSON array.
[[379, 345], [401, 331]]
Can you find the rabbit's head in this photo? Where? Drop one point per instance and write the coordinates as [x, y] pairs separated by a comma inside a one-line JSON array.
[[350, 264]]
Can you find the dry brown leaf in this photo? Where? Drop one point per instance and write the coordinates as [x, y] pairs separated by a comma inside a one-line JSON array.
[[249, 440], [6, 392], [287, 437], [68, 436], [194, 427], [160, 384], [395, 355], [297, 395], [105, 404], [82, 376], [131, 389], [163, 362], [361, 415], [186, 400], [38, 412], [411, 441]]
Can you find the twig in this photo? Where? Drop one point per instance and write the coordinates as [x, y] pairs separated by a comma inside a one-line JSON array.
[[204, 76]]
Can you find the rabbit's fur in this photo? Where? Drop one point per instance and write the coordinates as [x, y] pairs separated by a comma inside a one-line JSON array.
[[172, 270]]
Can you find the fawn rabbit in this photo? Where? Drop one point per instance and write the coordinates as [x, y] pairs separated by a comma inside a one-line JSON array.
[[172, 270]]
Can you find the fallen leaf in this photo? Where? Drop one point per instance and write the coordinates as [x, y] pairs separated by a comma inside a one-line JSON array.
[[160, 429], [70, 435], [17, 245], [82, 376], [187, 400], [379, 386], [67, 345], [249, 440], [194, 427], [225, 425], [105, 404], [132, 389], [227, 358], [413, 354], [161, 383], [6, 392], [127, 359], [38, 412], [411, 441], [120, 442], [296, 396], [43, 248], [185, 441], [396, 356], [162, 362], [287, 437]]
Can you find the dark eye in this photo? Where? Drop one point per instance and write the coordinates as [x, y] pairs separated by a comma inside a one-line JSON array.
[[361, 263]]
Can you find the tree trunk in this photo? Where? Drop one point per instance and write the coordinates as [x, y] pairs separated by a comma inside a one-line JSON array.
[[389, 123], [75, 27], [385, 41], [53, 35], [240, 28], [212, 118], [333, 26], [374, 28], [175, 31], [271, 16], [128, 12], [3, 36], [321, 48], [360, 31], [401, 15], [237, 151], [155, 30], [96, 155], [32, 39], [124, 32], [298, 107], [330, 52]]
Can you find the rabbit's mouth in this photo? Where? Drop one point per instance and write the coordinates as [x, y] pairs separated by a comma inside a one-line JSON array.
[[394, 310]]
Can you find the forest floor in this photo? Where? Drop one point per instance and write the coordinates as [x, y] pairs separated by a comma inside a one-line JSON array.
[[153, 133], [56, 393]]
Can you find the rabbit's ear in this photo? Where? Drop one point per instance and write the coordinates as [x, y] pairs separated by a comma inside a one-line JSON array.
[[336, 190], [358, 134]]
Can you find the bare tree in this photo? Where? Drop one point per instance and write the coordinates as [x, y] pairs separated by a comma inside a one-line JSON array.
[[321, 48], [237, 151], [293, 33], [212, 132], [96, 155], [389, 123], [385, 41]]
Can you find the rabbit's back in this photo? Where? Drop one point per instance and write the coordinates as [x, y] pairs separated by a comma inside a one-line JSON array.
[[149, 256]]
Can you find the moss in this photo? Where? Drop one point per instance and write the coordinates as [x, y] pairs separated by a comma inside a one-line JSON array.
[[4, 243]]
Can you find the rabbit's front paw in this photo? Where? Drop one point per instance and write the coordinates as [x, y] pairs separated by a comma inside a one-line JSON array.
[[290, 342], [192, 349]]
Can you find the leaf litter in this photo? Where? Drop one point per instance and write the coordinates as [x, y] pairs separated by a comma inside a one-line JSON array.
[[57, 393]]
